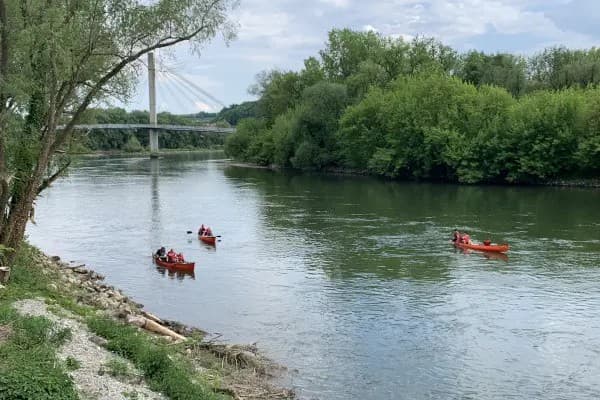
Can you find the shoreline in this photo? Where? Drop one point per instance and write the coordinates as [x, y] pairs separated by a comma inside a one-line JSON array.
[[590, 183], [239, 371], [114, 153]]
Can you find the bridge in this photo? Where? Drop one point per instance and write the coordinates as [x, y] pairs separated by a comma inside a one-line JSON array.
[[153, 127], [185, 128]]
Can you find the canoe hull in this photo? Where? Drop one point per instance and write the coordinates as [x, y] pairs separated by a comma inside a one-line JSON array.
[[186, 266], [494, 248], [212, 240]]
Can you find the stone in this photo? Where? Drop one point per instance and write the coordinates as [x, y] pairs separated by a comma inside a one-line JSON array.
[[80, 270], [55, 258], [2, 287], [98, 340], [53, 287]]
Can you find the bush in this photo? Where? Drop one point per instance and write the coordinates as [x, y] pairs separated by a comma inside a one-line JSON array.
[[133, 145]]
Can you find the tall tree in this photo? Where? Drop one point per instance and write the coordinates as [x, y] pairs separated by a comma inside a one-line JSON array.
[[58, 57]]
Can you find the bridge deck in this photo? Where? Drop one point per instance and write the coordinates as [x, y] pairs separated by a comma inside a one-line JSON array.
[[206, 129]]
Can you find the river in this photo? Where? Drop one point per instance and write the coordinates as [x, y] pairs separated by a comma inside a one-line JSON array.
[[351, 281]]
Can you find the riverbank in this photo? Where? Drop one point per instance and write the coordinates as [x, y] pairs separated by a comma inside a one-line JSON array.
[[338, 171], [86, 339], [113, 153]]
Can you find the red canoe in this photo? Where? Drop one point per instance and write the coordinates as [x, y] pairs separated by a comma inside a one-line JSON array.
[[184, 266], [494, 248], [212, 240]]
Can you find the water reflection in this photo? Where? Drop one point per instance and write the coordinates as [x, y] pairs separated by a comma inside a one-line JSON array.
[[155, 195], [173, 273]]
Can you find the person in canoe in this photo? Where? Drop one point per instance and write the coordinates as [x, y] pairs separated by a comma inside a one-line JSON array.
[[465, 238], [208, 231], [201, 230], [172, 256], [456, 238], [161, 253], [180, 258]]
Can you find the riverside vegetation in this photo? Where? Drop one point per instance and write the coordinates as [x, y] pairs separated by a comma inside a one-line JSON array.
[[51, 305], [419, 110]]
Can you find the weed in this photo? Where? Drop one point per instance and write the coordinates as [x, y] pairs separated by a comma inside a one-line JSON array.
[[118, 368], [72, 364]]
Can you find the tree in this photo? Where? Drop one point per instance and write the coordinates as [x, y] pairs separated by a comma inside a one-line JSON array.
[[57, 58]]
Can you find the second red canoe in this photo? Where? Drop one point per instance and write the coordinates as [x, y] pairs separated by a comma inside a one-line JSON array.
[[212, 240], [494, 248]]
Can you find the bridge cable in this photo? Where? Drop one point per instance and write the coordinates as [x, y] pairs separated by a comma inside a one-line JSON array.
[[199, 89], [173, 92], [184, 88]]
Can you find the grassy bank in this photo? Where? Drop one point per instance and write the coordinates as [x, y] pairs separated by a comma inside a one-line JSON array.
[[78, 307]]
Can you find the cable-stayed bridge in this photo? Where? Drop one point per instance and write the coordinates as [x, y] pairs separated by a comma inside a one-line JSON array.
[[183, 88]]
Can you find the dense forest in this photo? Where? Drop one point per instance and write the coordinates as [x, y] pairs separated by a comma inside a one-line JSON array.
[[135, 141], [421, 110]]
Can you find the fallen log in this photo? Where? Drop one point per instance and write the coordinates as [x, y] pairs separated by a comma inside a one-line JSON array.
[[155, 327], [152, 317]]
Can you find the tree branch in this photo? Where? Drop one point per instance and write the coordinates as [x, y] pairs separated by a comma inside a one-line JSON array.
[[48, 181]]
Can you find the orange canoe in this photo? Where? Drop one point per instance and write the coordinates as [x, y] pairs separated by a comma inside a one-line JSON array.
[[494, 248], [212, 240], [184, 266]]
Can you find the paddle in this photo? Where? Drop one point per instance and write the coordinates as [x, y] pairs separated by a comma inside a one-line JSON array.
[[189, 232]]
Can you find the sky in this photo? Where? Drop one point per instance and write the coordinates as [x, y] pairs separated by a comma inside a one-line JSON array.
[[280, 34]]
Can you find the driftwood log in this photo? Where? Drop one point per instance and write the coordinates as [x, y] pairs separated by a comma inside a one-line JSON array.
[[152, 326], [4, 274], [152, 317]]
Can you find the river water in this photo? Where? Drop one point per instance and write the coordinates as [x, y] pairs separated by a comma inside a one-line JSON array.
[[349, 281]]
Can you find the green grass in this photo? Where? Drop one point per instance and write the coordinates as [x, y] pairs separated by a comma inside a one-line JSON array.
[[163, 369], [29, 369], [118, 368]]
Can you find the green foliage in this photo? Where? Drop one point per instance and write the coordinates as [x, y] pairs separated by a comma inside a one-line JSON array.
[[544, 133], [170, 375], [418, 110], [503, 70], [238, 145], [133, 145], [234, 113]]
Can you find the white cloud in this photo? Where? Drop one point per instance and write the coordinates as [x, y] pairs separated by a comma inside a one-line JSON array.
[[201, 106], [337, 3], [369, 28]]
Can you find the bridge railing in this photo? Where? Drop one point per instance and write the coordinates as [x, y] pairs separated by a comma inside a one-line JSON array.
[[187, 128]]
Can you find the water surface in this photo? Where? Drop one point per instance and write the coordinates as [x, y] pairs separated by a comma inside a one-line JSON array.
[[351, 282]]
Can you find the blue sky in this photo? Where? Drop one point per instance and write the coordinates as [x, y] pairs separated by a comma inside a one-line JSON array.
[[281, 34]]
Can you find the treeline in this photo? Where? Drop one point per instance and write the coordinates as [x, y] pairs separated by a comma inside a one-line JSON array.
[[134, 141], [420, 110]]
